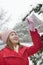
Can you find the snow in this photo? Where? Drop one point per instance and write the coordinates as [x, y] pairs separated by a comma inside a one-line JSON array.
[[17, 9]]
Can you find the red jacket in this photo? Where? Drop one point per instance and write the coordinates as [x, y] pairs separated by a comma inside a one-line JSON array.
[[10, 57]]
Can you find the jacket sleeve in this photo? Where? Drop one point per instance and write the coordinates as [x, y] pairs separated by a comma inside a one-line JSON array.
[[37, 44], [2, 62]]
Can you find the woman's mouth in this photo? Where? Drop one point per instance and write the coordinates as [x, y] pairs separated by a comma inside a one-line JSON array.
[[15, 38]]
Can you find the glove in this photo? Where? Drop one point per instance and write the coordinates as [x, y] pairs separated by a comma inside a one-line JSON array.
[[31, 24]]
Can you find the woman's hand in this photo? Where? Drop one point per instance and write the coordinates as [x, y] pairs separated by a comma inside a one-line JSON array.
[[31, 24]]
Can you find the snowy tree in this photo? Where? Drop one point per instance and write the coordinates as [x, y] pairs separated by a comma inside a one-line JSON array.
[[37, 9], [4, 18]]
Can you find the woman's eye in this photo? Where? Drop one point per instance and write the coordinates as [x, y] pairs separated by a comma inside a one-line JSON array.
[[12, 34]]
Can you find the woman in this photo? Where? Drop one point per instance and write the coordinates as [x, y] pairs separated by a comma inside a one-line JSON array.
[[14, 53]]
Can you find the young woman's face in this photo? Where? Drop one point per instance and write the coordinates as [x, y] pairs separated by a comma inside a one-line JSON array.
[[13, 37]]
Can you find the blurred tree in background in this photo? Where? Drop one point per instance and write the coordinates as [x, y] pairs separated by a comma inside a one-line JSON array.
[[4, 18]]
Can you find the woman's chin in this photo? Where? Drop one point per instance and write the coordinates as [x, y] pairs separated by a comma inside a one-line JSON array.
[[16, 41]]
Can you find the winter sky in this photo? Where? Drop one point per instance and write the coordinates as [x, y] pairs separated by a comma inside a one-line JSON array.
[[17, 9]]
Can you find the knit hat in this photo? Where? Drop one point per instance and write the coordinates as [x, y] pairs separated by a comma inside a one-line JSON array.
[[4, 35]]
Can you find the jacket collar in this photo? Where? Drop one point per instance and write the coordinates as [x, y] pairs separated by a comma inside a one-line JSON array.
[[7, 52]]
